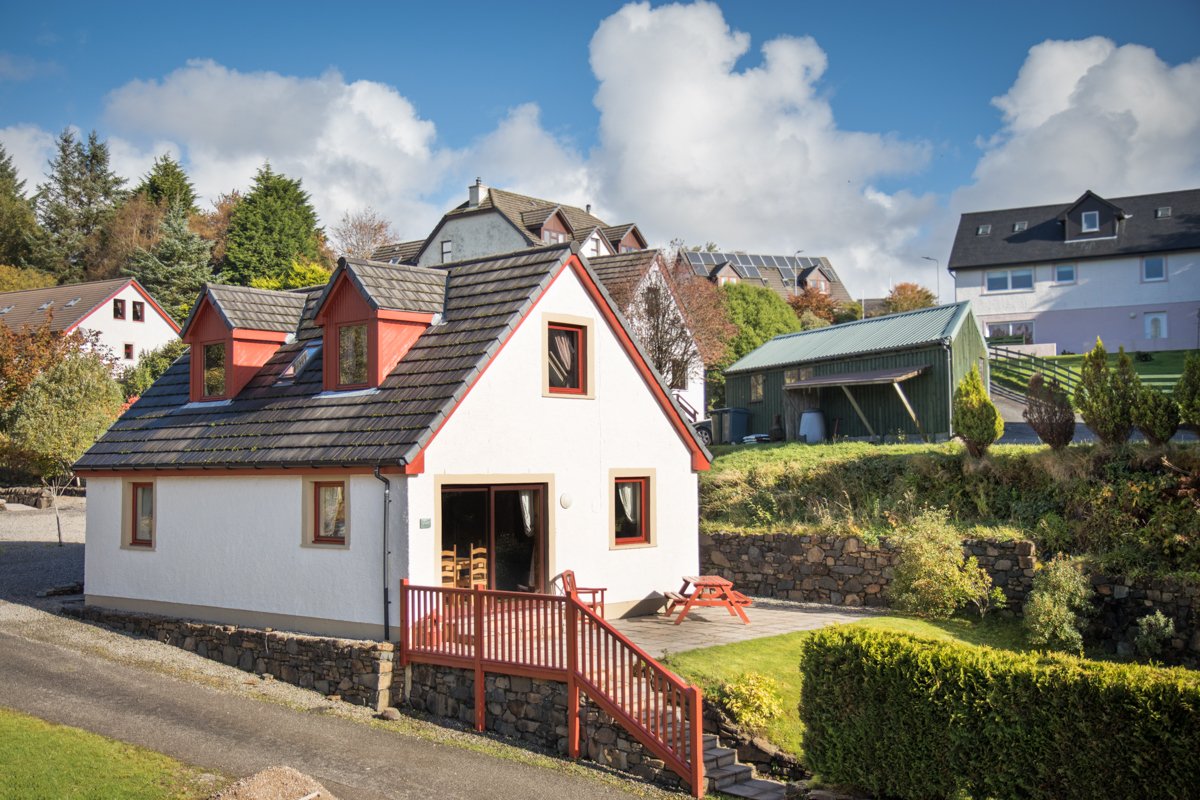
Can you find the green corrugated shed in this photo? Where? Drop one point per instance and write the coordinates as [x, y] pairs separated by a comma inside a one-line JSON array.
[[943, 342]]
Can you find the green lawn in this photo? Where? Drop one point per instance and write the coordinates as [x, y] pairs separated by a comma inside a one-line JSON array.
[[1162, 370], [779, 657], [40, 760]]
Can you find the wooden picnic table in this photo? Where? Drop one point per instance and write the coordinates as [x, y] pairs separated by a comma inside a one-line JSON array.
[[707, 591]]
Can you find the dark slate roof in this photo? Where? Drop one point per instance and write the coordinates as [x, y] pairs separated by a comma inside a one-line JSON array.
[[1043, 239], [879, 334], [295, 424], [256, 309], [527, 212], [621, 273], [399, 252], [67, 304], [615, 233], [395, 287]]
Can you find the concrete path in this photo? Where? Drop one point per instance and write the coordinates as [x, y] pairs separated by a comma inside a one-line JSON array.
[[705, 627], [239, 736]]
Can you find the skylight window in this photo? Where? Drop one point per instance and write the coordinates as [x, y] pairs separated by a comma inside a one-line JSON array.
[[72, 302], [6, 309], [302, 360], [983, 230], [45, 305], [1162, 212], [1020, 226]]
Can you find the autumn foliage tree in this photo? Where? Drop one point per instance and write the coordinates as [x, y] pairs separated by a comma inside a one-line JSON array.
[[814, 301], [908, 297], [214, 225]]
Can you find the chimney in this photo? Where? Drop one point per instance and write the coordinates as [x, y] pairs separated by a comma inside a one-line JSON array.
[[588, 209], [477, 193]]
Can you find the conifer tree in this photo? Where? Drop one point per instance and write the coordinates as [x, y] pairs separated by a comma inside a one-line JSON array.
[[1105, 396], [272, 227], [80, 194], [1187, 393], [175, 269], [18, 225], [167, 184], [976, 420]]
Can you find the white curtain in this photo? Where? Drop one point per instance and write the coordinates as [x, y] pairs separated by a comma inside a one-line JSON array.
[[562, 355], [627, 496], [526, 498]]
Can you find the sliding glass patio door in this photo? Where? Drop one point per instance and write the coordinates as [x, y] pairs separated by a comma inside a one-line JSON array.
[[494, 535]]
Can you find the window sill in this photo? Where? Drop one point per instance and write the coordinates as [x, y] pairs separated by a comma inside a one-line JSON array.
[[329, 544], [638, 545], [144, 547], [987, 293]]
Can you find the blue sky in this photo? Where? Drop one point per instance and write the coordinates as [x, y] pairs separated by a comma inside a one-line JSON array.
[[893, 99]]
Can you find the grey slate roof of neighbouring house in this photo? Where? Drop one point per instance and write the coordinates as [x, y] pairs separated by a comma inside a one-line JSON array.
[[398, 252], [621, 273], [296, 424], [1042, 240], [878, 334], [256, 309], [67, 304]]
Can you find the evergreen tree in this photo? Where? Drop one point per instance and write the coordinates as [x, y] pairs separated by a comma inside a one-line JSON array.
[[1187, 393], [79, 196], [975, 418], [272, 227], [18, 225], [1105, 397], [175, 269], [166, 184]]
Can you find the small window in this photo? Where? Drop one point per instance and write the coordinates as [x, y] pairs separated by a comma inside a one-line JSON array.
[[1155, 323], [1021, 279], [997, 281], [302, 360], [553, 237], [6, 309], [45, 305], [72, 302], [756, 388], [142, 529], [128, 351], [118, 309], [1154, 268], [1010, 332], [1091, 221], [1020, 226], [679, 375], [329, 512], [214, 369], [352, 356], [566, 356], [631, 511], [447, 251], [628, 248], [139, 311], [1162, 212], [983, 230]]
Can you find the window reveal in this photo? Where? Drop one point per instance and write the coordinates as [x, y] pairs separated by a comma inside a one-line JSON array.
[[329, 512], [565, 357], [632, 495]]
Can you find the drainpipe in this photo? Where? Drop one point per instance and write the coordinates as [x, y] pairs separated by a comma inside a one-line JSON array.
[[950, 394], [387, 501]]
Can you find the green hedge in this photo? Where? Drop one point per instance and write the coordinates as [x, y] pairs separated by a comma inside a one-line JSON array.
[[912, 718]]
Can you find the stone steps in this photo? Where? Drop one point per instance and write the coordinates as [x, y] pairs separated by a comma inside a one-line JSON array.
[[723, 773]]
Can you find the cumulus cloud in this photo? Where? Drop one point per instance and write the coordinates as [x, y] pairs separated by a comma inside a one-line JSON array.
[[30, 147], [1090, 115], [753, 159]]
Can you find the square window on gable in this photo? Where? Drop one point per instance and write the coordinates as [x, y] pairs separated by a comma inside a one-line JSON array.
[[447, 251], [565, 356], [1090, 221], [118, 309], [139, 311], [128, 352]]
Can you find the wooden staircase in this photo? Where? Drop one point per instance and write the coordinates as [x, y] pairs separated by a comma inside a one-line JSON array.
[[724, 774]]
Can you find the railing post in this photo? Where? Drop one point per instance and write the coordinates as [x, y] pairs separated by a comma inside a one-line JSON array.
[[696, 732], [572, 679], [404, 640], [480, 693]]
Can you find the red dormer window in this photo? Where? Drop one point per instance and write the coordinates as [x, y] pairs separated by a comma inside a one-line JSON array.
[[224, 359], [352, 356]]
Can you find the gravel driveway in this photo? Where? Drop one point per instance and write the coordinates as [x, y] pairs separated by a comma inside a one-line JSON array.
[[30, 558]]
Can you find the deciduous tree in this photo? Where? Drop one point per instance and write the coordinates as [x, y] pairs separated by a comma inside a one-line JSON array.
[[14, 279], [214, 225], [299, 275], [360, 233], [27, 352], [134, 225], [814, 301], [758, 314], [908, 297], [153, 363], [274, 226]]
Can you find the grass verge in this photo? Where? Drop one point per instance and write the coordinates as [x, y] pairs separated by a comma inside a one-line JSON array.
[[39, 759]]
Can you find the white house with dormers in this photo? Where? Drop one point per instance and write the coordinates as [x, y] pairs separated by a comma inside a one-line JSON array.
[[125, 318], [1054, 278], [317, 446]]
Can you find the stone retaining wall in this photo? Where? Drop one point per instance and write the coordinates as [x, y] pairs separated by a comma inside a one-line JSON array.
[[1121, 602], [842, 570], [533, 711], [357, 671]]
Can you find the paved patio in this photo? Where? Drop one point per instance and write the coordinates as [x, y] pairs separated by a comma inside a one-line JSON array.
[[705, 627]]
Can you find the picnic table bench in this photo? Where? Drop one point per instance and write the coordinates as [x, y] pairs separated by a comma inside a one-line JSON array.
[[707, 591]]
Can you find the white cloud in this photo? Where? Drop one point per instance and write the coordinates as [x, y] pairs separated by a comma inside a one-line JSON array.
[[21, 68], [1090, 115], [30, 147], [752, 159]]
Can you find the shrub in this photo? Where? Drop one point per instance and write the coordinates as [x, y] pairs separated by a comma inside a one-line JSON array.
[[1105, 397], [1048, 411], [1057, 606], [136, 380], [931, 576], [1187, 392], [976, 420], [752, 700], [1154, 632], [1156, 415], [903, 717]]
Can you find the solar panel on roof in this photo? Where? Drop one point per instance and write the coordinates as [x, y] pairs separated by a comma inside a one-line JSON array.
[[694, 258], [752, 272], [789, 275], [756, 261], [707, 258], [743, 259], [793, 262]]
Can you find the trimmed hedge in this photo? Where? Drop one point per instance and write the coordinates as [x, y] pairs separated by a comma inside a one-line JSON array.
[[912, 718]]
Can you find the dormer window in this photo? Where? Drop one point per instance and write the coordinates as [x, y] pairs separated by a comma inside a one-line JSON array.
[[214, 370], [983, 230], [1020, 226], [553, 237], [1162, 212], [352, 356], [1090, 221]]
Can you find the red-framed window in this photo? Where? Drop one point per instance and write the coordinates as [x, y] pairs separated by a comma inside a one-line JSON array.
[[118, 309], [141, 532], [352, 356], [329, 512], [214, 369], [632, 507], [139, 311], [566, 354], [128, 351]]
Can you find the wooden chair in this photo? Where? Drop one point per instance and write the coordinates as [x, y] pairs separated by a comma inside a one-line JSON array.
[[595, 596], [479, 567], [450, 568]]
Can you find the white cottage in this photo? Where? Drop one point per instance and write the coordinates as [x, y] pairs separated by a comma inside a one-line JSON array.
[[489, 421]]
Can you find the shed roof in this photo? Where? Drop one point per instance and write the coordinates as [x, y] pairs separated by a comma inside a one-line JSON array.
[[878, 334]]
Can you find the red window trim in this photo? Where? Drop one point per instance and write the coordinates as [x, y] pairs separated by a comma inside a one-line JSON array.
[[643, 520], [118, 306], [366, 326], [318, 539], [203, 382], [134, 311], [580, 350], [134, 541], [128, 348]]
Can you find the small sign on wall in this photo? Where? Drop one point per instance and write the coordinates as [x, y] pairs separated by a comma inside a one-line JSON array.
[[425, 522]]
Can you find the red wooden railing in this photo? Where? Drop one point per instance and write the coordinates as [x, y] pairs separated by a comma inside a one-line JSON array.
[[557, 638]]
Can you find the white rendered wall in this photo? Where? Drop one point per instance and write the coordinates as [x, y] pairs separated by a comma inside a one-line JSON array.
[[473, 237], [506, 427], [235, 543], [150, 334]]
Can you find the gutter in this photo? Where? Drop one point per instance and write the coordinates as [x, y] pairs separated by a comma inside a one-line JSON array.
[[387, 501]]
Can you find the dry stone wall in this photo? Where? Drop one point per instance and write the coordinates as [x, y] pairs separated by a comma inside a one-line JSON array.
[[1121, 602]]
